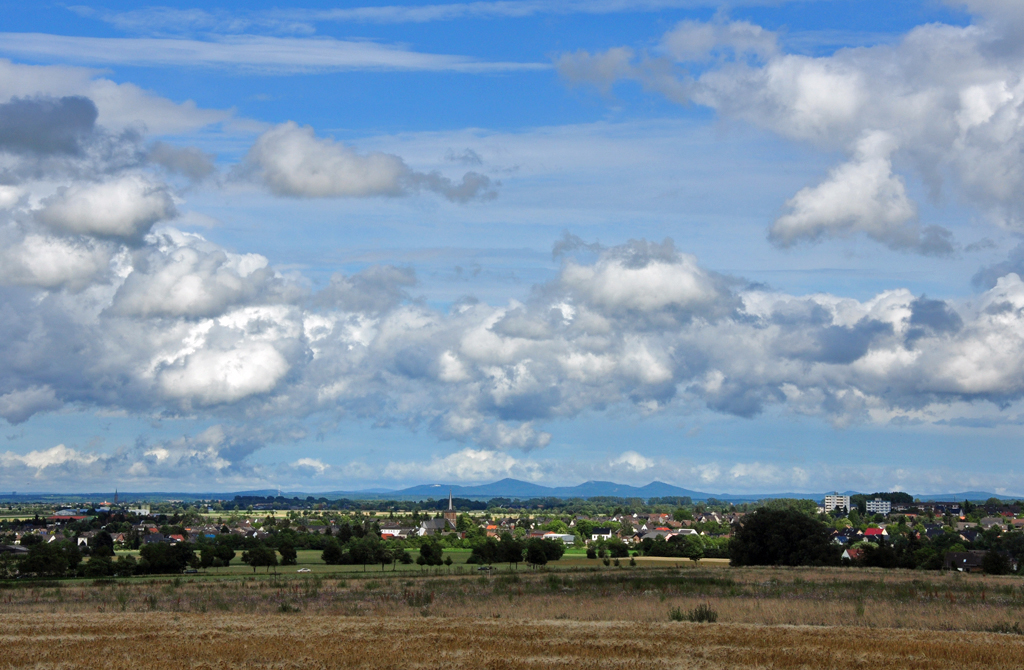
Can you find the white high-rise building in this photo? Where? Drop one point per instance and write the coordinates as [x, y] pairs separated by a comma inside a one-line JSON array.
[[835, 500], [879, 506]]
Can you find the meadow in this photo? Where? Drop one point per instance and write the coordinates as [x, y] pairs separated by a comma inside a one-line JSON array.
[[579, 616]]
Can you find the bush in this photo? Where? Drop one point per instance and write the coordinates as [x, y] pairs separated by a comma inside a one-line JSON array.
[[1009, 629], [700, 614], [591, 553]]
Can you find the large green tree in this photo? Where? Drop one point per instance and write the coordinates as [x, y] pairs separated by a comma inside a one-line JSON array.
[[259, 555], [45, 560], [783, 537]]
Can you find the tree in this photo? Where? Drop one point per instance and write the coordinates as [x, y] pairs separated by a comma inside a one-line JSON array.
[[102, 543], [616, 548], [693, 548], [485, 550], [510, 550], [332, 554], [288, 554], [225, 553], [45, 560], [8, 565], [98, 566], [362, 551], [431, 553], [384, 555], [161, 558], [782, 537], [554, 549], [555, 526], [535, 553], [995, 563], [259, 555], [126, 566]]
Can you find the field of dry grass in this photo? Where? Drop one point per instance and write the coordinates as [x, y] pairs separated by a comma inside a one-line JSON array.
[[159, 640], [812, 618]]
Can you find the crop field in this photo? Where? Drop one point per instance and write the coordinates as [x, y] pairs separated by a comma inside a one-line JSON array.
[[595, 617], [160, 640]]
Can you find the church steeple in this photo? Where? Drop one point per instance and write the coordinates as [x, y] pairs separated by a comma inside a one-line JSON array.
[[450, 515]]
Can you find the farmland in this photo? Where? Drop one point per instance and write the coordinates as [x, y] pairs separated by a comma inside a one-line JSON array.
[[579, 616], [152, 640]]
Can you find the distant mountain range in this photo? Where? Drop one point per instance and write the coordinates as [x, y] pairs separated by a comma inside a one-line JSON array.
[[505, 488]]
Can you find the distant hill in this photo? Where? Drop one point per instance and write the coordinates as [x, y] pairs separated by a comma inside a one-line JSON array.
[[974, 496], [515, 488]]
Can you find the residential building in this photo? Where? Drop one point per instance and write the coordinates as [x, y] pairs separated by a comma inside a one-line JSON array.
[[879, 506], [835, 500], [852, 554], [964, 561]]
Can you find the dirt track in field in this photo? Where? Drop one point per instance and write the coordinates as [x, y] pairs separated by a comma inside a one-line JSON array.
[[139, 641]]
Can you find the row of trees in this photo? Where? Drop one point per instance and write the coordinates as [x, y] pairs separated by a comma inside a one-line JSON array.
[[514, 551], [370, 549], [791, 537]]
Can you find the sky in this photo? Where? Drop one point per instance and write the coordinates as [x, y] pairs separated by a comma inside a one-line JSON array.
[[751, 247]]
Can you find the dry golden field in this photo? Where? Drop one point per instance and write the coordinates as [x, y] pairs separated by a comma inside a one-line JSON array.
[[168, 640], [611, 618]]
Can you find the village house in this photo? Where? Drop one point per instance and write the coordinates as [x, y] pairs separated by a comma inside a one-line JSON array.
[[964, 561]]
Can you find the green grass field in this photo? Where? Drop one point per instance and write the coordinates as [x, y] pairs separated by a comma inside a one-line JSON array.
[[310, 559]]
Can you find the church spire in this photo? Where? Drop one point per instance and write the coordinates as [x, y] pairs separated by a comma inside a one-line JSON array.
[[450, 515]]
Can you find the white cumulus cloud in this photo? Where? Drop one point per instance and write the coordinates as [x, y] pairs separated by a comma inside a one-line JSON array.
[[124, 208], [291, 160]]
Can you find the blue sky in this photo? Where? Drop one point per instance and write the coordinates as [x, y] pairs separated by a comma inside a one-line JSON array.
[[763, 246]]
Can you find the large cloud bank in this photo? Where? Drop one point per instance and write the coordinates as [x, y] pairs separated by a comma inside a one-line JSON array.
[[105, 305], [945, 104]]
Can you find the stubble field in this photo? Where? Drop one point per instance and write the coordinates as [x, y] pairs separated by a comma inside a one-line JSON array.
[[610, 618]]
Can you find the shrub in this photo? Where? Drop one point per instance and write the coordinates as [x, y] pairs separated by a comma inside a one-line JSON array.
[[700, 614], [419, 598], [1013, 629]]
